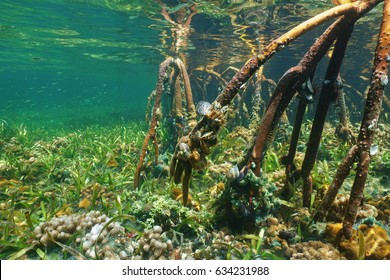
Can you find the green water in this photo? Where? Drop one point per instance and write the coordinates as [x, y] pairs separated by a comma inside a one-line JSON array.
[[65, 63], [74, 63]]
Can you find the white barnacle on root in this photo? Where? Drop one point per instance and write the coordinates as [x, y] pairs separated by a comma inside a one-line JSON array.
[[384, 80], [373, 124]]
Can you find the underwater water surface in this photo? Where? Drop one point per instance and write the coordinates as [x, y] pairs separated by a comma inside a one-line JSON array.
[[72, 62], [76, 77]]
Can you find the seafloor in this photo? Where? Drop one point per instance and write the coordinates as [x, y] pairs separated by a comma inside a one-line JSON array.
[[70, 195]]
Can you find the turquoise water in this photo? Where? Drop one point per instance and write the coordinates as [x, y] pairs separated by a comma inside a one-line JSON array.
[[68, 63], [72, 63]]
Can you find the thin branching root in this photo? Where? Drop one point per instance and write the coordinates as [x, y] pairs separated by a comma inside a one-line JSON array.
[[172, 74]]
